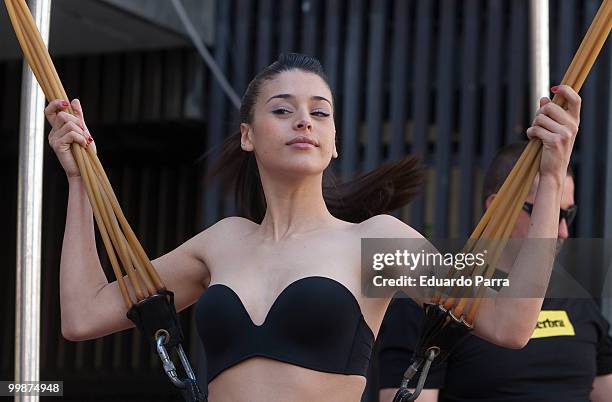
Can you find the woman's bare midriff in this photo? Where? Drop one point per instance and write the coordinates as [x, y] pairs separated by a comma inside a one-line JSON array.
[[260, 379]]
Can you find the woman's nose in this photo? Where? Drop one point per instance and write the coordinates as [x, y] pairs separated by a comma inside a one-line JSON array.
[[303, 123]]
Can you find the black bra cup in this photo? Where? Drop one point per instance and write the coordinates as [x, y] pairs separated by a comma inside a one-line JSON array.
[[315, 322]]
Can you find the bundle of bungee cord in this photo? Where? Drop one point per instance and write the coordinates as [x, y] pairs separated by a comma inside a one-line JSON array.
[[449, 317], [152, 309]]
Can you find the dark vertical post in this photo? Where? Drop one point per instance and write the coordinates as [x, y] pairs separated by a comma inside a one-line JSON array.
[[351, 119], [493, 94], [444, 113], [264, 34], [374, 101], [421, 98], [587, 139], [468, 113], [515, 94], [399, 76], [309, 16], [332, 41], [287, 26]]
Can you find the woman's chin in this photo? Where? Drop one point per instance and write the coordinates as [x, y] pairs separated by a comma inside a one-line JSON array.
[[303, 168]]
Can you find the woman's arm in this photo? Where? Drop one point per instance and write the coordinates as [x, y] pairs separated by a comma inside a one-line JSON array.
[[90, 306], [509, 321], [505, 321]]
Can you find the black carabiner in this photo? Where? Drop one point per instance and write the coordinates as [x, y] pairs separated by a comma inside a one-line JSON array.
[[157, 320], [188, 386], [403, 394]]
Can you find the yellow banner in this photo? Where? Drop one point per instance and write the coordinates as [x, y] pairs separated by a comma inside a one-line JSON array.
[[553, 323]]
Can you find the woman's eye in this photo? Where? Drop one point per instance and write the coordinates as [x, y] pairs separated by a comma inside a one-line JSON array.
[[281, 111], [320, 113]]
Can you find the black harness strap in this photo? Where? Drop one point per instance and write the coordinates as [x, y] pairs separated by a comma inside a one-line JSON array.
[[441, 332], [157, 320]]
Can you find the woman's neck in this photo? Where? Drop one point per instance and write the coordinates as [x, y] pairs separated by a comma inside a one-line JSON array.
[[294, 207]]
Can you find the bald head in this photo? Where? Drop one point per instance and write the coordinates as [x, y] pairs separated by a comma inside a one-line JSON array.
[[500, 168]]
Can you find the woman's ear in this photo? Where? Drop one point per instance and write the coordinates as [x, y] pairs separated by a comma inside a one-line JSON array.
[[245, 137], [489, 200], [335, 151]]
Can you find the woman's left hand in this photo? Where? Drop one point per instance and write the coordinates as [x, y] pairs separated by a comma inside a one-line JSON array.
[[557, 128]]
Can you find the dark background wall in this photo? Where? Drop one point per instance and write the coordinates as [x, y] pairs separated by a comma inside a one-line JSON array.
[[444, 79]]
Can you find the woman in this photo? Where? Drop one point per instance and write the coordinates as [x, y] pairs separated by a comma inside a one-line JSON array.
[[280, 311]]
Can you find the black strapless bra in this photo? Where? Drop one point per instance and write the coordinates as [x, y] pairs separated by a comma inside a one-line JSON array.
[[315, 322]]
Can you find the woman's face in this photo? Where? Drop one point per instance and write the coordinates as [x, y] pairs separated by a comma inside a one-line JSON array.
[[293, 129]]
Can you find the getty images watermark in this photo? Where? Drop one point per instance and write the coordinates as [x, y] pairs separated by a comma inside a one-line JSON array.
[[468, 268], [424, 261], [419, 267]]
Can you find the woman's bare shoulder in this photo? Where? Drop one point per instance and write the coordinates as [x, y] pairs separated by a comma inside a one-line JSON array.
[[216, 241], [385, 225], [225, 229], [234, 222]]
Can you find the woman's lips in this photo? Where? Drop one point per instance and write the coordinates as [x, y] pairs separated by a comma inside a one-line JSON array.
[[302, 145], [303, 142]]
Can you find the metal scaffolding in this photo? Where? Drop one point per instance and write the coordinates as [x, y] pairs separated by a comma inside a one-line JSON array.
[[29, 217], [540, 55]]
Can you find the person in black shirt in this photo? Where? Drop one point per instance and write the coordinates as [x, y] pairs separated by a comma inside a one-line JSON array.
[[568, 359]]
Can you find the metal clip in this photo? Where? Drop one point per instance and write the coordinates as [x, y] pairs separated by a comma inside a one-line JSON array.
[[169, 367], [403, 393]]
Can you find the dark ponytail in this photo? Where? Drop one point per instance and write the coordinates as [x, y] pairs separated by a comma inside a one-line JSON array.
[[237, 168], [382, 190]]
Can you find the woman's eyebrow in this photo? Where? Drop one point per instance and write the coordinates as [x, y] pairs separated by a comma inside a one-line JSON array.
[[321, 99], [289, 96]]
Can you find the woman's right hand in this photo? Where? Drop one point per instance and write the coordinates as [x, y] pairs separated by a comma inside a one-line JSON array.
[[557, 127], [66, 129]]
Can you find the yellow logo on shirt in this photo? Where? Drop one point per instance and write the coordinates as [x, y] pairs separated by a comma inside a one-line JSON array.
[[553, 323]]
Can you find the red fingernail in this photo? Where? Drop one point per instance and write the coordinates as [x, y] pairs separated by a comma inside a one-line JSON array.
[[89, 139], [554, 89], [65, 103]]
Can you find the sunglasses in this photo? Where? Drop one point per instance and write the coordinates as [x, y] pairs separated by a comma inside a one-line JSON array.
[[568, 214]]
